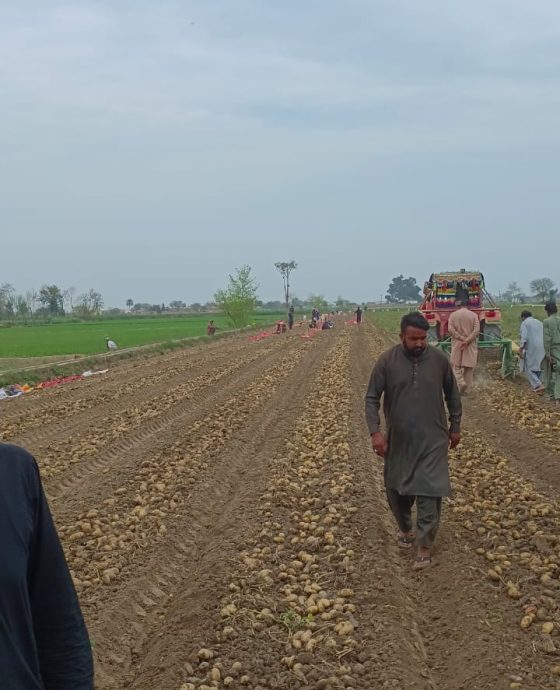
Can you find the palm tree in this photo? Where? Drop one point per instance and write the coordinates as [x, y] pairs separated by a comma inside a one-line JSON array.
[[129, 303]]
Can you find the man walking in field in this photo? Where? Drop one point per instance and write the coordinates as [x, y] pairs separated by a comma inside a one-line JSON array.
[[531, 349], [551, 332], [413, 379], [358, 313], [464, 329]]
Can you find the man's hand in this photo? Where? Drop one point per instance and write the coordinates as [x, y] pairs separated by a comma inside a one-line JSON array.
[[379, 444], [454, 439], [464, 345]]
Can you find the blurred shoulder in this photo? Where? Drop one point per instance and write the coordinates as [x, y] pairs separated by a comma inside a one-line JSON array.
[[15, 460]]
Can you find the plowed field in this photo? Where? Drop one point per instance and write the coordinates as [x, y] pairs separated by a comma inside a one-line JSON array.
[[225, 522]]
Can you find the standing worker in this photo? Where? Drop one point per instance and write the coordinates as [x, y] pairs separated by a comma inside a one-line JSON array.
[[211, 328], [414, 379], [358, 313], [464, 329], [44, 643], [551, 332], [291, 317], [531, 349]]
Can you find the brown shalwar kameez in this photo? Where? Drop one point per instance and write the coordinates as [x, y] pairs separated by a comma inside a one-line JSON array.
[[416, 463]]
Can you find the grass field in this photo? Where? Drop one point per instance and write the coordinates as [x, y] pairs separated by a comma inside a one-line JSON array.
[[389, 319], [88, 338]]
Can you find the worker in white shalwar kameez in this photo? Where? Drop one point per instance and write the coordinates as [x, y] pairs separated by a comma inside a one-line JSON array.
[[531, 350]]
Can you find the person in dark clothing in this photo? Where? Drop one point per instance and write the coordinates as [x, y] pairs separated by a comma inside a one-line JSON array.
[[291, 317], [358, 313], [44, 643], [414, 378]]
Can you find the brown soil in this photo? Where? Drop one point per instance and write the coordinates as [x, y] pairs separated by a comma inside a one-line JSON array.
[[226, 499]]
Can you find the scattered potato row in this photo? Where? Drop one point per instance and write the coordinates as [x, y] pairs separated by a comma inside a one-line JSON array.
[[61, 454], [102, 540], [289, 619], [519, 533], [525, 411]]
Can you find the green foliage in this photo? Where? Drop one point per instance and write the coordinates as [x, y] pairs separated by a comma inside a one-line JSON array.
[[84, 338], [403, 289], [294, 622], [239, 299]]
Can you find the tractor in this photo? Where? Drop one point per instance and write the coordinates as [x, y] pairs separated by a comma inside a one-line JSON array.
[[443, 290]]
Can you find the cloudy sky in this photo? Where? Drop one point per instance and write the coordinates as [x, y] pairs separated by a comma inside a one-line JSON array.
[[147, 148]]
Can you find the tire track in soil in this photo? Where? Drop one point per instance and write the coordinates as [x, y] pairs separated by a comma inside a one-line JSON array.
[[171, 590], [129, 424], [107, 401], [470, 630], [89, 483], [47, 413]]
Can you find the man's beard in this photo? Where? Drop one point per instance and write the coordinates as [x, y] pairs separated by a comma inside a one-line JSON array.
[[415, 351]]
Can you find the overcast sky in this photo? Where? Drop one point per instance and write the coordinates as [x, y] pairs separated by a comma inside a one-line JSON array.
[[147, 148]]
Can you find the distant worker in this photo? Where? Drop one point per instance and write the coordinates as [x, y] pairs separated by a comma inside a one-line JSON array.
[[358, 313], [111, 344], [291, 317], [211, 328], [44, 642], [413, 379], [464, 329], [551, 333], [531, 350]]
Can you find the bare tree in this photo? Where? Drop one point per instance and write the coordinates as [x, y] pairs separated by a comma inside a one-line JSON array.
[[285, 268], [542, 287]]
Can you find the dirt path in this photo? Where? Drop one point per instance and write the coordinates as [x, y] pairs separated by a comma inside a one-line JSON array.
[[226, 526]]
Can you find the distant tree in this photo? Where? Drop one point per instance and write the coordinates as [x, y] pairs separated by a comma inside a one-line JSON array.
[[129, 304], [513, 294], [238, 299], [297, 302], [89, 304], [403, 289], [177, 304], [21, 308], [542, 287], [32, 298], [52, 299], [68, 298], [319, 302], [285, 268], [196, 307], [273, 305]]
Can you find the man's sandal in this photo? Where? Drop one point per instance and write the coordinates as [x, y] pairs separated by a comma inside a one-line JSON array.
[[405, 540], [422, 562]]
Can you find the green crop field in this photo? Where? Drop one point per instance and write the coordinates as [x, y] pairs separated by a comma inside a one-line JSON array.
[[389, 319], [88, 338]]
